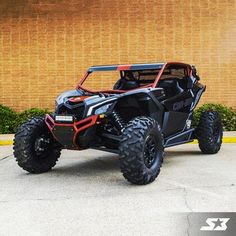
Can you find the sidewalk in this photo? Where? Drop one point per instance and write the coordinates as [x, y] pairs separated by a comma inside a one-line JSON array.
[[229, 137]]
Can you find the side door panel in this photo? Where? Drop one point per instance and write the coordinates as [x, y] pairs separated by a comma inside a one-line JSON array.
[[173, 122], [177, 112]]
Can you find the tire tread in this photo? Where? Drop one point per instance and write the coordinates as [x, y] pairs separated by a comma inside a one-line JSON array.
[[23, 152], [131, 150]]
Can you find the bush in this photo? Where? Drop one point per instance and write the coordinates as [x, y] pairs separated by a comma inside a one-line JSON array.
[[228, 116], [27, 114], [10, 120], [7, 120]]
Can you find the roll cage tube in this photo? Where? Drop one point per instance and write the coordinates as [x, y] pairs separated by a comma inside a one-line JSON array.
[[122, 68]]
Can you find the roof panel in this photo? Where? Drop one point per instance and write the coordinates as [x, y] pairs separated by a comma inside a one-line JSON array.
[[145, 66]]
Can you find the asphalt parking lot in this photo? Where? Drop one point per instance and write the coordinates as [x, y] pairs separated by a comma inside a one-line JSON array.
[[85, 194]]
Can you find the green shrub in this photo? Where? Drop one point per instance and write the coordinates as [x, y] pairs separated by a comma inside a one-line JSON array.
[[228, 116], [10, 120], [27, 114], [7, 120]]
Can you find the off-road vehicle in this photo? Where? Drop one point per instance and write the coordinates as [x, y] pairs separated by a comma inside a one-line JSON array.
[[136, 111]]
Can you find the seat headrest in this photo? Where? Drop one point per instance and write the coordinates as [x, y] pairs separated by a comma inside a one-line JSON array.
[[127, 85]]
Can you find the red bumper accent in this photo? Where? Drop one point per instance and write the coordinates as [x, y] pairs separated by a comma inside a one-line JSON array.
[[77, 126]]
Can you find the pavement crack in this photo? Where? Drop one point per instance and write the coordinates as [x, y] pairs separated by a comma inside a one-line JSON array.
[[188, 223], [217, 186], [186, 201], [37, 199], [173, 189], [189, 207], [4, 158]]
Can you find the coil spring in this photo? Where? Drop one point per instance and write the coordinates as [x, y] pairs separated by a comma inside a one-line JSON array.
[[117, 120]]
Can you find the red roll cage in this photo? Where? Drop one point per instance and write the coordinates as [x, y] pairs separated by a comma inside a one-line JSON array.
[[132, 67]]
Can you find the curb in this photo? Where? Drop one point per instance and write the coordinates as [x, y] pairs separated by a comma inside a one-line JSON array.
[[225, 140], [6, 142]]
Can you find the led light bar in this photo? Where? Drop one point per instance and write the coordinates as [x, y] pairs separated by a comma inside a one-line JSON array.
[[64, 118]]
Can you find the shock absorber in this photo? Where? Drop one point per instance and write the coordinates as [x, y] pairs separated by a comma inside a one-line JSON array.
[[117, 120]]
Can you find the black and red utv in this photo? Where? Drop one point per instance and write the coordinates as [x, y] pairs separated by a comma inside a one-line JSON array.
[[136, 111]]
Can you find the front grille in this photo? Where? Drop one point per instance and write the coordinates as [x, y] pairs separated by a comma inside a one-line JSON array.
[[76, 110]]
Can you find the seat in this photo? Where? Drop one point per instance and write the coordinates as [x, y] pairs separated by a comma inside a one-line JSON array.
[[187, 82], [123, 84], [171, 87]]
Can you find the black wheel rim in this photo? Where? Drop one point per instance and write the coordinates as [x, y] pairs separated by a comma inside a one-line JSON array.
[[43, 145], [150, 151]]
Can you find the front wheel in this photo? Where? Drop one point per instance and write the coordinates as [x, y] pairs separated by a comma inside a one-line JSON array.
[[209, 132], [141, 150], [35, 149]]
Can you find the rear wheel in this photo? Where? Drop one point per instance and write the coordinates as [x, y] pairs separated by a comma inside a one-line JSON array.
[[209, 132], [141, 150], [35, 149]]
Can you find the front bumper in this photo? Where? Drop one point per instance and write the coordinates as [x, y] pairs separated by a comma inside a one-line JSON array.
[[67, 134]]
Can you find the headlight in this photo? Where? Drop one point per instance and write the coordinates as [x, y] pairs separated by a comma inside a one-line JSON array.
[[67, 118], [102, 109]]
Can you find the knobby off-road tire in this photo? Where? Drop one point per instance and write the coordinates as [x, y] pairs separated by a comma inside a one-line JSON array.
[[35, 149], [209, 132], [141, 150]]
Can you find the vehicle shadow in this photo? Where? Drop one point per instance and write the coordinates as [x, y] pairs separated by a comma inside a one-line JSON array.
[[175, 153], [109, 163], [176, 157]]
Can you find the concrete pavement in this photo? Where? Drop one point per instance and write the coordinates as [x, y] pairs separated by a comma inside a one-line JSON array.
[[85, 194]]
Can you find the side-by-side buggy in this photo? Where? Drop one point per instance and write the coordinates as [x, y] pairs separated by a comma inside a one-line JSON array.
[[136, 111]]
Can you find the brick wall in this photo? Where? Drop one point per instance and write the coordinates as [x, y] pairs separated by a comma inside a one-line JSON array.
[[46, 45]]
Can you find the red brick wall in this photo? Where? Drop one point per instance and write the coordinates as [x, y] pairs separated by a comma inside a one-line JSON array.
[[46, 45]]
